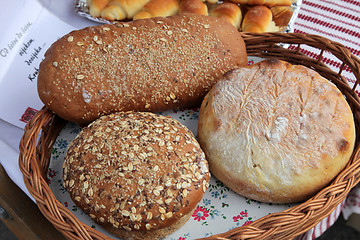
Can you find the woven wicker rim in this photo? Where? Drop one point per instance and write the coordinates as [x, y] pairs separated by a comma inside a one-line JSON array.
[[41, 132]]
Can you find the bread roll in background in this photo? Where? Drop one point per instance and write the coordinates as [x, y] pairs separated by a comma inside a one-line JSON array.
[[268, 3], [259, 19], [158, 8], [230, 12], [276, 132], [193, 6], [145, 65], [96, 7], [210, 1], [122, 9], [282, 15], [137, 174]]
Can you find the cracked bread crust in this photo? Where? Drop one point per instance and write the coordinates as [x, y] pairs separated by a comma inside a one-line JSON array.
[[137, 174], [276, 132]]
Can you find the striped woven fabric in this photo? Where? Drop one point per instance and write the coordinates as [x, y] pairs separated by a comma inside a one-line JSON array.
[[323, 225], [337, 20]]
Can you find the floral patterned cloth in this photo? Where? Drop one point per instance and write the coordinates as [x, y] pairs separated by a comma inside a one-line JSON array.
[[220, 209]]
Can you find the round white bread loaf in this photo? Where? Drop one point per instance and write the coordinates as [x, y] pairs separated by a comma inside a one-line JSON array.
[[276, 132], [139, 175]]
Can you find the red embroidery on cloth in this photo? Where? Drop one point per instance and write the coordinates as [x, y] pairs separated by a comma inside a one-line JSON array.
[[329, 25], [28, 114], [352, 50], [304, 9], [343, 6], [336, 12]]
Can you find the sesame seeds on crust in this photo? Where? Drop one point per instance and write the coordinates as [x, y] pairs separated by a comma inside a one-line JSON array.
[[135, 171], [145, 65]]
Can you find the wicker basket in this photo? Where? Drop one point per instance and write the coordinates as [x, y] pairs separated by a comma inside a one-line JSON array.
[[41, 132]]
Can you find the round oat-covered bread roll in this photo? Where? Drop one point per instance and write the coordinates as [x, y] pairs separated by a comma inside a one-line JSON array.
[[139, 175], [276, 132]]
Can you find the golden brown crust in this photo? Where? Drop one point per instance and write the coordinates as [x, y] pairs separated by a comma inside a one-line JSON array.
[[229, 11], [136, 173], [122, 9], [145, 65], [158, 8], [268, 3], [96, 6], [276, 132], [193, 6], [258, 19], [282, 15], [153, 234]]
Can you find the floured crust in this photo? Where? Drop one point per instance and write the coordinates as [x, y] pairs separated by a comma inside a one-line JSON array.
[[144, 65], [139, 175], [276, 132]]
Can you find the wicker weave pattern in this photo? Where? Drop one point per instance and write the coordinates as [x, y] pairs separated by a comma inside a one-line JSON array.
[[41, 132]]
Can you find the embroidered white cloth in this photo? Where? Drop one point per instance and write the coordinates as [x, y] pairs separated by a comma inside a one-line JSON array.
[[336, 20]]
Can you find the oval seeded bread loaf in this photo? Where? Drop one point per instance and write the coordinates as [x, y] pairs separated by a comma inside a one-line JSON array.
[[276, 132], [145, 65], [138, 174]]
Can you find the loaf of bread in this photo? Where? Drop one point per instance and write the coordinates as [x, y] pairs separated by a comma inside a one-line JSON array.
[[137, 174], [146, 65], [158, 8], [276, 132], [122, 9], [259, 19], [230, 12]]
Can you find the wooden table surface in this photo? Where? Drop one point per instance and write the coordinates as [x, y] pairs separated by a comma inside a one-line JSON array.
[[21, 215]]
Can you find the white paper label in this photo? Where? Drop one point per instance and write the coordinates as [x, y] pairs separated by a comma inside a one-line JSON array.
[[26, 37]]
